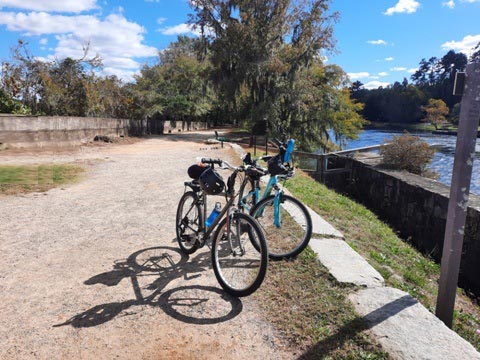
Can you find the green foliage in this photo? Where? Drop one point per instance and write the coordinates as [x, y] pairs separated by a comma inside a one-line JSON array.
[[265, 67], [176, 88], [407, 152], [67, 87], [8, 105], [402, 102]]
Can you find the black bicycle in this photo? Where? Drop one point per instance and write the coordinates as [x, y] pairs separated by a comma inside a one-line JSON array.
[[238, 250]]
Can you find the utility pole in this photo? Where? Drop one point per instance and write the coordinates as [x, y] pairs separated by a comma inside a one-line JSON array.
[[459, 190]]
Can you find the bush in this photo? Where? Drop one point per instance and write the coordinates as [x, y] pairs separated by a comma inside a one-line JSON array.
[[408, 152]]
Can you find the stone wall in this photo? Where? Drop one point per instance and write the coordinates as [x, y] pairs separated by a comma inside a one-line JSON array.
[[47, 131], [417, 208]]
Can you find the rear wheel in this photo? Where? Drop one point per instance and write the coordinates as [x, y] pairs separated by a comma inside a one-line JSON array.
[[188, 223], [287, 228], [239, 266]]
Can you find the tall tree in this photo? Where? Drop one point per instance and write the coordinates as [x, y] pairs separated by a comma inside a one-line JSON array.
[[262, 54]]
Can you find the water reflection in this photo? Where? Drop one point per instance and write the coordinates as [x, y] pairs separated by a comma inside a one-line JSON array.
[[442, 161]]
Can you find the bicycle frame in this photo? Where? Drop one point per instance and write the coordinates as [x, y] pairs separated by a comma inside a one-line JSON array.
[[208, 230], [272, 184]]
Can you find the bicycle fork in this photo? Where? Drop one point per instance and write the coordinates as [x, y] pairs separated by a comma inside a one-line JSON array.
[[236, 251]]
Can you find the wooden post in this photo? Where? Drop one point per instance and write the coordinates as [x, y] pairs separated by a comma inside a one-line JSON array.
[[266, 144], [459, 192]]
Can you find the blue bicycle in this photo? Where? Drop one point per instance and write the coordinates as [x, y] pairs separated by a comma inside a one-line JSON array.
[[286, 222]]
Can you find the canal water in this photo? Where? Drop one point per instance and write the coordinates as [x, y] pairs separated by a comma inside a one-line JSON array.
[[442, 162]]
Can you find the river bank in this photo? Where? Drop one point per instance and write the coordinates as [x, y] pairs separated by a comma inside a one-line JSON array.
[[442, 161]]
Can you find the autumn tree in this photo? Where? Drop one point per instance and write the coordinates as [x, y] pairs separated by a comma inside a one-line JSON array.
[[435, 112]]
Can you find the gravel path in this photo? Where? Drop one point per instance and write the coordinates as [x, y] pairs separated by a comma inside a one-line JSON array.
[[93, 270]]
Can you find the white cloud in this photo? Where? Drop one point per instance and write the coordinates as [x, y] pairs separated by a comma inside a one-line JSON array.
[[412, 70], [375, 84], [450, 4], [359, 75], [389, 59], [377, 42], [398, 68], [403, 6], [375, 77], [161, 20], [74, 6], [125, 75], [179, 29], [383, 73], [466, 45], [115, 39], [43, 41]]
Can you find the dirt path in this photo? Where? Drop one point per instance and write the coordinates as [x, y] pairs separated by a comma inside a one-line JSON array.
[[93, 270]]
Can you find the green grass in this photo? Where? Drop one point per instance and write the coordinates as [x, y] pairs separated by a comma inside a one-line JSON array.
[[401, 265], [312, 313], [25, 178]]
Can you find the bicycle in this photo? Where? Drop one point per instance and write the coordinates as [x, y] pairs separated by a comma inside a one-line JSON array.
[[286, 222], [239, 249]]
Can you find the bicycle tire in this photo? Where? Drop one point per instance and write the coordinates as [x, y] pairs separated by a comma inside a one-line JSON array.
[[295, 230], [239, 273], [188, 240]]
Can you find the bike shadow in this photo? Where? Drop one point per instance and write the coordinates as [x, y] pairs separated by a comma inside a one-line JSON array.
[[193, 304]]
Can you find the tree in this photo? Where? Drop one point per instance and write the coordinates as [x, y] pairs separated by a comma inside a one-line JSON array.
[[435, 112], [267, 65], [68, 86], [8, 105], [177, 88]]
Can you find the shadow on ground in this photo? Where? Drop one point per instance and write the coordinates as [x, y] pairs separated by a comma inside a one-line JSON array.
[[195, 304], [352, 328]]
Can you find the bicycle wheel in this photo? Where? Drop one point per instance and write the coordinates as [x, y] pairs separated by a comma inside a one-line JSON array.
[[287, 231], [239, 267], [188, 223]]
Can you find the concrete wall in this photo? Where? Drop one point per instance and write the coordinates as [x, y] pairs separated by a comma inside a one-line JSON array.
[[416, 207], [47, 131]]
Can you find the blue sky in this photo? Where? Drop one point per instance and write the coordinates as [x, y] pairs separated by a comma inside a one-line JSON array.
[[378, 41]]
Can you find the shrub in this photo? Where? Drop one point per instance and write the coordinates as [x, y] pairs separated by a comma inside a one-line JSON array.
[[408, 152]]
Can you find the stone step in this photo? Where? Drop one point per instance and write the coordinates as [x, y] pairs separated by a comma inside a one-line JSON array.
[[322, 227], [406, 329], [345, 265]]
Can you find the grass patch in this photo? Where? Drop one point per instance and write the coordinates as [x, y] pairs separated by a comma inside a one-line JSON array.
[[15, 179], [401, 265], [312, 313]]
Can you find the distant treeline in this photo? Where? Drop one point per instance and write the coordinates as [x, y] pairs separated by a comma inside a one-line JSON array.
[[402, 102]]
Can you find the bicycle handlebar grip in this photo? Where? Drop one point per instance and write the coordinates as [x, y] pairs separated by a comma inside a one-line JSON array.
[[211, 161]]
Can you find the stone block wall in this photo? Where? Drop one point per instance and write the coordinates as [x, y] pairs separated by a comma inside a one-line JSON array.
[[48, 131], [416, 207]]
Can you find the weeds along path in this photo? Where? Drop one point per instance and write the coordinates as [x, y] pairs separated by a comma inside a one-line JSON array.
[[92, 270]]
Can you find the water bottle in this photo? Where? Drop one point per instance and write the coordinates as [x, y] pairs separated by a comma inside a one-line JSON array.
[[289, 150], [214, 214]]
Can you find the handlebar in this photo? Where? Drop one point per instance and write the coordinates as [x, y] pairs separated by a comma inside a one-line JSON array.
[[220, 162], [211, 161]]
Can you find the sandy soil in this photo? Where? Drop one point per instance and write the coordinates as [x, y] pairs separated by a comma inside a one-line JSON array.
[[93, 270]]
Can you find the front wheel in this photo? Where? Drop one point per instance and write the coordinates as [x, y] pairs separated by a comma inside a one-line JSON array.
[[286, 223], [189, 222], [239, 266]]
